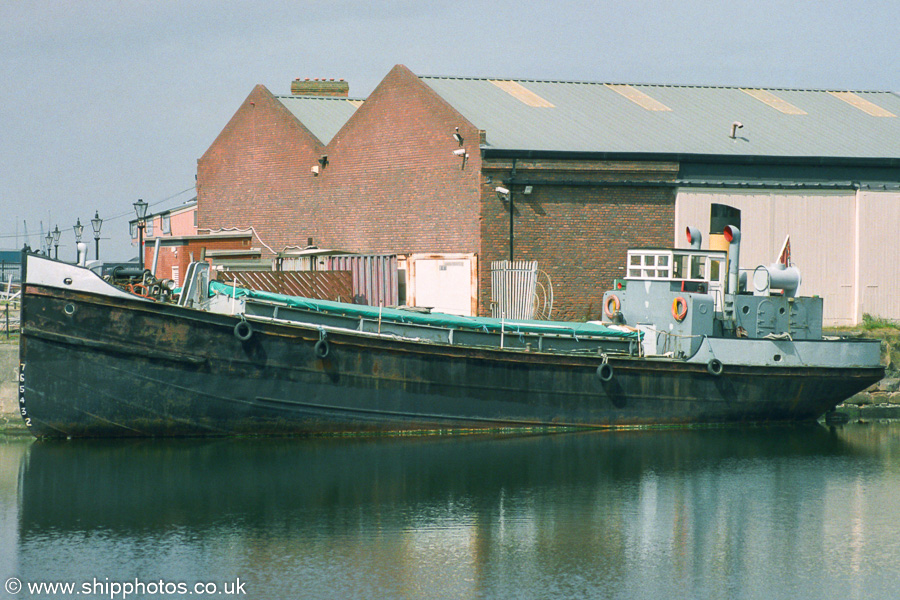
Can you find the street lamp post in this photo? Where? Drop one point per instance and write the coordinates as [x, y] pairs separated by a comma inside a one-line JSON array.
[[96, 222], [140, 209], [49, 240], [79, 230], [56, 233]]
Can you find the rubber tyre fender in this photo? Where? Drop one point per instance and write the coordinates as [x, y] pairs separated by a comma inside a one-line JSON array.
[[323, 349], [243, 331], [715, 367], [605, 372]]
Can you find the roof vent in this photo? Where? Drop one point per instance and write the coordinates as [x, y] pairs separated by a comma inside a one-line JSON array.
[[320, 87]]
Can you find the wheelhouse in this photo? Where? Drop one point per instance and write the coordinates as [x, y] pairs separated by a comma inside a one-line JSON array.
[[695, 270]]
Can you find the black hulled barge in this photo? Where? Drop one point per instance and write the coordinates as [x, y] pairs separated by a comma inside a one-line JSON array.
[[683, 343]]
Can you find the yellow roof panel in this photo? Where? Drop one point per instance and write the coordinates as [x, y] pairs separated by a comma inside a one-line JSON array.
[[521, 93], [779, 104], [862, 104], [638, 97]]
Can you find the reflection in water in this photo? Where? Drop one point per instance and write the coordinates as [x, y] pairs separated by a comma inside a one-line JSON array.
[[730, 513]]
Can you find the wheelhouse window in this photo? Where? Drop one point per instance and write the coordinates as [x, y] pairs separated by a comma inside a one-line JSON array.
[[673, 264]]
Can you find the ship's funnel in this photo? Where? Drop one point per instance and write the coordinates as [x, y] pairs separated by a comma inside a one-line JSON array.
[[694, 237], [720, 217], [732, 235], [776, 277]]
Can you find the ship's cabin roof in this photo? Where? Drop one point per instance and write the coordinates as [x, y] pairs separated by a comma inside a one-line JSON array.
[[667, 264]]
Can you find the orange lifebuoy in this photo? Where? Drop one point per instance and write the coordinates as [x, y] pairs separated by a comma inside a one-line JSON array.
[[611, 306], [679, 308]]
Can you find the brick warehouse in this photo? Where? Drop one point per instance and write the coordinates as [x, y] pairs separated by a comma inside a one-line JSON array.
[[392, 184], [592, 168]]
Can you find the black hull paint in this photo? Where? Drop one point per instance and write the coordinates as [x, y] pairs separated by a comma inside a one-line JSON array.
[[98, 366]]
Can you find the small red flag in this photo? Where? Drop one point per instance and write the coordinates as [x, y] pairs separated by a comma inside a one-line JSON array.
[[785, 256]]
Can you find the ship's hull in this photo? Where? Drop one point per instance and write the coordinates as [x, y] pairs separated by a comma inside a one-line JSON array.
[[98, 365]]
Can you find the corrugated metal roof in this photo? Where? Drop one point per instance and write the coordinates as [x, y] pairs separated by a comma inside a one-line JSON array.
[[615, 118], [322, 115]]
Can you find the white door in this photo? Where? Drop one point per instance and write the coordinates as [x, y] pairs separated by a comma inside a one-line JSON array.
[[443, 282]]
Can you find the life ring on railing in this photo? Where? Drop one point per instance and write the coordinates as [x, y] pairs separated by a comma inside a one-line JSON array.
[[679, 308], [243, 331], [611, 306]]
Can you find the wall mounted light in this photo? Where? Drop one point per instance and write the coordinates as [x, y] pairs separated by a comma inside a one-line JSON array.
[[461, 152]]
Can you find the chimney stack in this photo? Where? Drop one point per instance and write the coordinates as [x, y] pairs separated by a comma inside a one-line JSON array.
[[320, 87]]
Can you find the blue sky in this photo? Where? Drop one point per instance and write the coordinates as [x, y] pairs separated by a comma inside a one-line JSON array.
[[106, 102]]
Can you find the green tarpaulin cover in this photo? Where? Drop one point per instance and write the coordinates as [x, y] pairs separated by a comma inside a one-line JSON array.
[[485, 324]]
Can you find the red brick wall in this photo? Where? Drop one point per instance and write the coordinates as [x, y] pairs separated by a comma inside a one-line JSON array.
[[257, 172], [578, 233], [392, 183]]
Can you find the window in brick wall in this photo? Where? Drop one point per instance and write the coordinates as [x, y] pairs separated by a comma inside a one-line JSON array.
[[165, 224]]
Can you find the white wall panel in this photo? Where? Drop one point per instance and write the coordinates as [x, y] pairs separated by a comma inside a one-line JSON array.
[[822, 230], [879, 252]]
